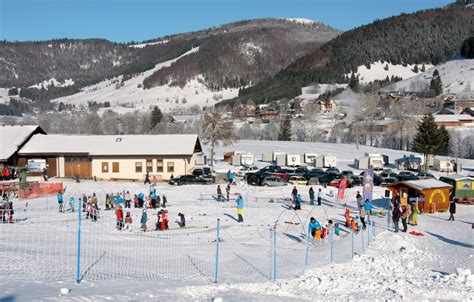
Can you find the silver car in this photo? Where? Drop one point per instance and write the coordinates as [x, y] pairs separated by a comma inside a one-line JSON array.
[[273, 181]]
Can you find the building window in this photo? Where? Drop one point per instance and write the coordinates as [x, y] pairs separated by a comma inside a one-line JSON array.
[[105, 167], [115, 167], [170, 166], [138, 167], [149, 165], [159, 165]]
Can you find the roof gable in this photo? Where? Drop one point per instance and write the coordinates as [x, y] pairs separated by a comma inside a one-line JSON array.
[[13, 137]]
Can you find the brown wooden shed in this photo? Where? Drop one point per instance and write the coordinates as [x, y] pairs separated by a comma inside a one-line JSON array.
[[432, 195]]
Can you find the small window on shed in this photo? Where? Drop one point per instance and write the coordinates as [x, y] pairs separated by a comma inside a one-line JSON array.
[[115, 167]]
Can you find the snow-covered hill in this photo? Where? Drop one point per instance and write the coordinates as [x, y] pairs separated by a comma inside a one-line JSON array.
[[381, 70], [195, 92], [457, 76]]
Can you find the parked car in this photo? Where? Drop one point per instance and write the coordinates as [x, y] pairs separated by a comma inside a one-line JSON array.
[[321, 178], [388, 174], [406, 177], [337, 182], [204, 172], [300, 171], [424, 175], [273, 181], [347, 173], [389, 180], [355, 180], [298, 180], [332, 170], [247, 169], [189, 180], [406, 173]]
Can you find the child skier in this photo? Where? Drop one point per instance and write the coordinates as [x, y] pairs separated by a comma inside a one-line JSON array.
[[60, 201], [128, 222], [414, 213], [71, 204], [311, 196], [143, 220], [164, 220], [119, 214], [337, 230], [313, 226], [347, 216], [298, 201], [182, 220]]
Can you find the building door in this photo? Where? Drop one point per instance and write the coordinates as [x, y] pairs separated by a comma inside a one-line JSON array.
[[78, 166]]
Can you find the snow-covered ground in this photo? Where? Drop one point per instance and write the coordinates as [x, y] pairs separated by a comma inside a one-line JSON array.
[[377, 71], [141, 45], [167, 97], [179, 265], [457, 76]]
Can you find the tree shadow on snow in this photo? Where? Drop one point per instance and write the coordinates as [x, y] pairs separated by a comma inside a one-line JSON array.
[[230, 216], [10, 298], [451, 241]]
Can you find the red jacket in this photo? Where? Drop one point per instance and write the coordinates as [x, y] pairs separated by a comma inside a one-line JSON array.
[[119, 214]]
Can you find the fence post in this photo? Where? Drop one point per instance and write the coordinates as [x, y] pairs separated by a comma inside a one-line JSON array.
[[216, 274], [307, 249], [271, 256], [78, 268], [274, 256], [330, 245], [368, 233], [363, 245], [373, 230], [352, 244]]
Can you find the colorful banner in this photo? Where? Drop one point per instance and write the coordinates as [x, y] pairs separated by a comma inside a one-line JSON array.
[[342, 189], [36, 189], [368, 184]]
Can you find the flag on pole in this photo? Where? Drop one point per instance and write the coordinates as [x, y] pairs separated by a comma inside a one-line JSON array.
[[342, 189], [368, 184]]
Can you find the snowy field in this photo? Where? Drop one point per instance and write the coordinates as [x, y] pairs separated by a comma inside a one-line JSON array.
[[179, 264]]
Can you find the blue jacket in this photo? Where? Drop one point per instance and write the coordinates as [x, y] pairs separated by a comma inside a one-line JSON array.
[[71, 200], [154, 194], [368, 206], [144, 218], [240, 202], [60, 197], [313, 226], [141, 195], [298, 199]]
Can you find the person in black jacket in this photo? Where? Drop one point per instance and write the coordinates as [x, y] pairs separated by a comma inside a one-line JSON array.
[[452, 210], [396, 213]]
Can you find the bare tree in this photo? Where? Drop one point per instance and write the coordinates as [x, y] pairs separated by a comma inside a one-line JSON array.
[[216, 130]]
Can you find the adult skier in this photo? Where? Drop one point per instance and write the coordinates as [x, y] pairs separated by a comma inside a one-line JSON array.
[[311, 196], [452, 210], [143, 220], [319, 197], [396, 217]]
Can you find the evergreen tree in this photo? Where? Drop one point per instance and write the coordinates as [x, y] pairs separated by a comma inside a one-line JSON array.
[[436, 85], [423, 68], [354, 82], [285, 129], [156, 116], [467, 49], [61, 106], [415, 69], [430, 140]]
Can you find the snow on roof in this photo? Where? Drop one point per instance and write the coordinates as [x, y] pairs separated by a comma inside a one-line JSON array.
[[423, 184], [459, 177], [12, 137], [179, 144], [453, 118]]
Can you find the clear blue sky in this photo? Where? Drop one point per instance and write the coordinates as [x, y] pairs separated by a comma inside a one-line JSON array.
[[138, 20]]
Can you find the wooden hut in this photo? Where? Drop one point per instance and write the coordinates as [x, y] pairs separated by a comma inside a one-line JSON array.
[[463, 187], [432, 195]]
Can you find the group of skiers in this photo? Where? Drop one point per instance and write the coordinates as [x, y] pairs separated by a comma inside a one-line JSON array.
[[89, 205], [220, 196], [297, 199], [318, 231], [125, 223], [152, 201], [6, 209]]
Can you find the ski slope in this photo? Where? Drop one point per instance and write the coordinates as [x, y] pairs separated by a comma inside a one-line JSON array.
[[167, 97], [377, 71], [457, 76]]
